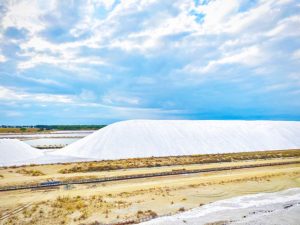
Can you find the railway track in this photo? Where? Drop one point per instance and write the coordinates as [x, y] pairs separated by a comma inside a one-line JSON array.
[[139, 176], [20, 208], [15, 211]]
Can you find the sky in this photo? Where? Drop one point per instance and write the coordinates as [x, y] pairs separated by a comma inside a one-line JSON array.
[[101, 61]]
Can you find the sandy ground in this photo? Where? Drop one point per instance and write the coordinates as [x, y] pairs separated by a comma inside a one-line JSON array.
[[132, 199], [12, 176], [276, 208]]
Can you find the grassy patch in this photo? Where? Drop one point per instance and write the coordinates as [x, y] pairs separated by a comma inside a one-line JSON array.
[[146, 214], [30, 172], [106, 165], [17, 130]]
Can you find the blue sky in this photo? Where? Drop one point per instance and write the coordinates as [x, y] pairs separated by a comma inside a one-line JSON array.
[[96, 62]]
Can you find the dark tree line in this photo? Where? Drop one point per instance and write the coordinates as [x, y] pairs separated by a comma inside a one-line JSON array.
[[59, 127], [69, 127]]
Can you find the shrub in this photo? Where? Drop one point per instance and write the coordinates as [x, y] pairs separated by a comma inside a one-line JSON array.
[[30, 172], [182, 209]]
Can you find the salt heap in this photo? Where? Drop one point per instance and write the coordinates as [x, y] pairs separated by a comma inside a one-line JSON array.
[[13, 151], [146, 138]]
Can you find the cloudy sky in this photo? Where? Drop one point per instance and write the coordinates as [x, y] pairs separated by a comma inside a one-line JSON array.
[[100, 61]]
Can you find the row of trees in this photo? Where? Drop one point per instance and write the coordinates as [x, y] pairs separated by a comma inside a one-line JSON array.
[[69, 127], [58, 127]]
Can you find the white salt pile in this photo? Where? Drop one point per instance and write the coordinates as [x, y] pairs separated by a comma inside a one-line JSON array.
[[146, 138], [13, 151]]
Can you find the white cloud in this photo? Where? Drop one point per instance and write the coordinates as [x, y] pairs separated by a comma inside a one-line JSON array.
[[134, 45], [220, 17], [36, 50], [2, 58], [26, 14], [10, 113], [225, 36], [296, 54], [116, 105], [120, 99], [216, 13], [107, 110], [286, 28], [250, 56], [12, 94], [88, 21], [126, 112], [250, 21], [276, 87], [87, 95], [45, 81], [111, 32], [106, 3], [39, 51]]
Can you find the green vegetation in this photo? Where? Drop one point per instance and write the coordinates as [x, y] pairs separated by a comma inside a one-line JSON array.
[[106, 165], [40, 128], [144, 214], [33, 173], [70, 204], [69, 127], [182, 209], [17, 129]]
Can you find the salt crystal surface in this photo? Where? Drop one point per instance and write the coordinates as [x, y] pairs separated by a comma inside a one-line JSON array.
[[146, 138], [13, 151], [277, 208]]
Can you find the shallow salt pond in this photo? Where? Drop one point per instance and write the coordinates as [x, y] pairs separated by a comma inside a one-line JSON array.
[[55, 138], [51, 141], [54, 134]]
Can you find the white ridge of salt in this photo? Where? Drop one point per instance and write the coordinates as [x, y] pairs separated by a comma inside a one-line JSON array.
[[264, 208], [146, 138], [13, 151]]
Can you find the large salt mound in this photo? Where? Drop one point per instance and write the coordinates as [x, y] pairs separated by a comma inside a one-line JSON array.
[[13, 151], [146, 138]]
